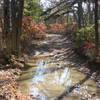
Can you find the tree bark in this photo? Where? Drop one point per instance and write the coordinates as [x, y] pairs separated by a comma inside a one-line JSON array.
[[6, 29], [16, 20], [96, 28], [19, 24], [80, 14]]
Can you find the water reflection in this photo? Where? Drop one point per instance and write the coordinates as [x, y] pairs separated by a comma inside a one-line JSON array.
[[41, 83], [63, 79], [51, 82]]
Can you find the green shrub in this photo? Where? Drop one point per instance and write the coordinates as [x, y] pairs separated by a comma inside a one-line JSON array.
[[86, 34], [85, 40]]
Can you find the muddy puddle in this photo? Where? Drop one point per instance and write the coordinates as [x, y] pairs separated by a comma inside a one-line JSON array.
[[48, 80]]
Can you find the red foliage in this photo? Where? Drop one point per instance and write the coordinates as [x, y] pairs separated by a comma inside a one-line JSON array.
[[89, 45]]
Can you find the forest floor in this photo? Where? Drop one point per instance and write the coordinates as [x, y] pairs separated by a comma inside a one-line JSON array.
[[61, 48]]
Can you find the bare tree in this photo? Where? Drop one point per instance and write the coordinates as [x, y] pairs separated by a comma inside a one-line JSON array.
[[97, 42], [13, 12]]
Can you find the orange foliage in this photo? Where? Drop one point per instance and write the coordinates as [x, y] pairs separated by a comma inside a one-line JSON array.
[[30, 25], [31, 28], [63, 28], [57, 28]]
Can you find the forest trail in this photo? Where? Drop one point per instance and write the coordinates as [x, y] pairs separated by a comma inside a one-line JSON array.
[[55, 71], [59, 47]]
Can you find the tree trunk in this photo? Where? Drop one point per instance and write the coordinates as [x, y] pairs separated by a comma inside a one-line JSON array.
[[19, 23], [68, 18], [80, 14], [7, 25], [16, 20], [96, 28]]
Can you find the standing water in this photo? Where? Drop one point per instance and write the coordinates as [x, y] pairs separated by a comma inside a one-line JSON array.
[[51, 81]]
